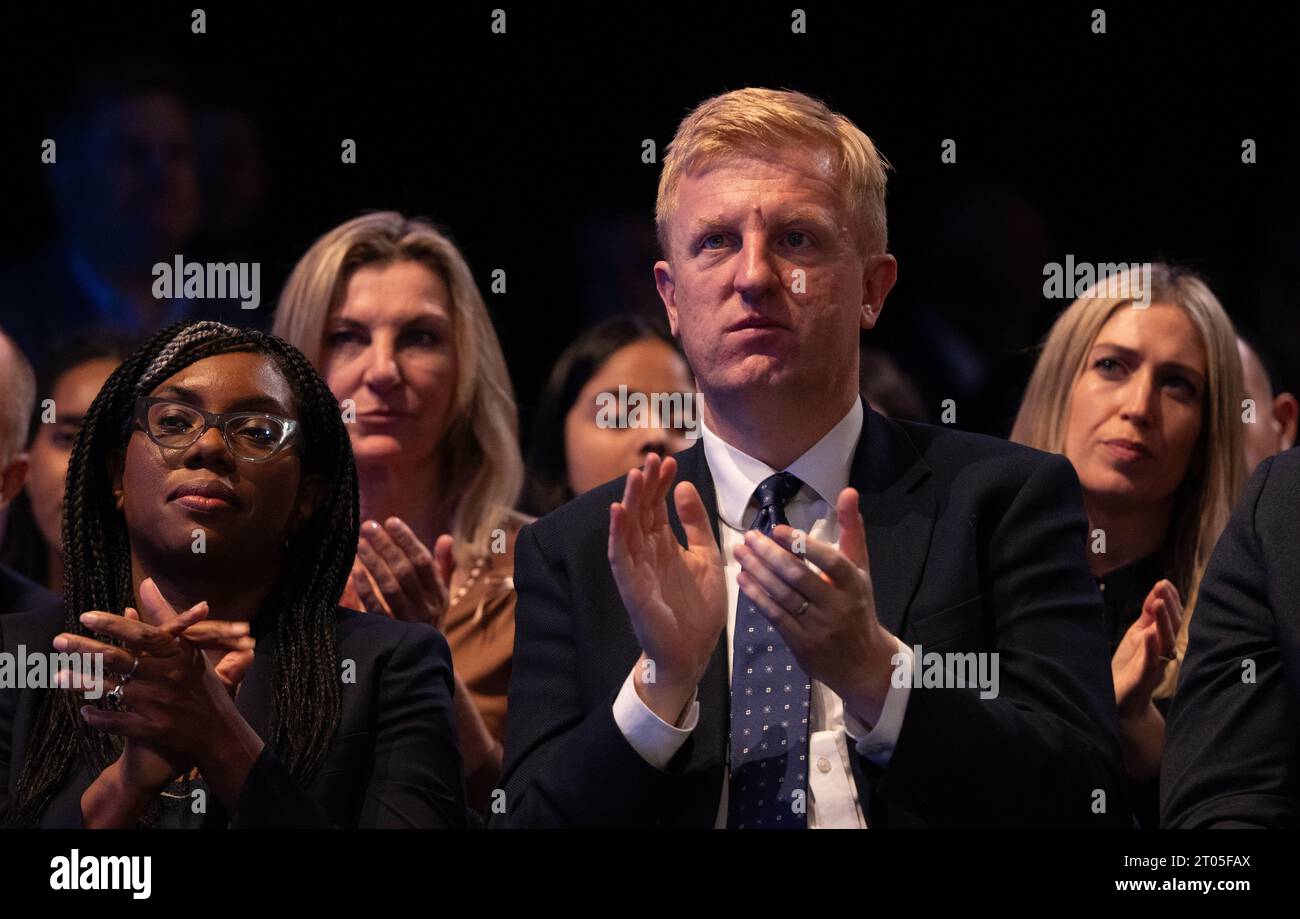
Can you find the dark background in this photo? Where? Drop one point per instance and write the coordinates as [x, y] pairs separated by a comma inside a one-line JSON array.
[[526, 147]]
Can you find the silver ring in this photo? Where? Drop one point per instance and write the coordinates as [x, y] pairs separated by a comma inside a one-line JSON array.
[[135, 665], [803, 609], [115, 694]]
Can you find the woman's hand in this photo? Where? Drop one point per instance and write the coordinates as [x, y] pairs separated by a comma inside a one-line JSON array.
[[121, 794], [176, 702], [1146, 649], [232, 638], [141, 766], [396, 575], [1137, 669]]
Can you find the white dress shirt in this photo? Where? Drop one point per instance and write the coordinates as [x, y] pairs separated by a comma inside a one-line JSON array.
[[824, 470]]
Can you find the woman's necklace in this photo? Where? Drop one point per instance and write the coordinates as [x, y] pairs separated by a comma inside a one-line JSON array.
[[469, 581]]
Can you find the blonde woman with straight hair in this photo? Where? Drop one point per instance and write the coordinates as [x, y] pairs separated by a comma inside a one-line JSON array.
[[1139, 386], [386, 308]]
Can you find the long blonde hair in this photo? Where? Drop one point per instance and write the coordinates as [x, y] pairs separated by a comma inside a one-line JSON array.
[[1217, 472], [479, 461]]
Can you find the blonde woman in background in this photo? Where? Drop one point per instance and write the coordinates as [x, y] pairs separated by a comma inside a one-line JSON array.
[[387, 310], [1141, 391]]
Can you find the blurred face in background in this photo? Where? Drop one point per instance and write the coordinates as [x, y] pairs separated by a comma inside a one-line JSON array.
[[1274, 428], [1137, 409], [133, 188], [597, 452], [388, 347], [52, 443]]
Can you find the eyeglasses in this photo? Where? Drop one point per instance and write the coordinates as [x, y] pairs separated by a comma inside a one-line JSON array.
[[252, 436]]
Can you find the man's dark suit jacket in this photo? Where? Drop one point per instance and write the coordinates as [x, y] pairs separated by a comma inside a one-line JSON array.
[[975, 544], [1232, 745], [18, 594], [393, 761]]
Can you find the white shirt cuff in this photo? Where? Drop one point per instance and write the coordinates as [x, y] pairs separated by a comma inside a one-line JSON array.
[[654, 739], [877, 744]]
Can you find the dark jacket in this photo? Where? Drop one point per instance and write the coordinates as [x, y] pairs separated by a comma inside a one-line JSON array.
[[1232, 744], [975, 544], [393, 761], [18, 594]]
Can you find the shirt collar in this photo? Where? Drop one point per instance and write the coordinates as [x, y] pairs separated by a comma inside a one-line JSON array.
[[824, 467]]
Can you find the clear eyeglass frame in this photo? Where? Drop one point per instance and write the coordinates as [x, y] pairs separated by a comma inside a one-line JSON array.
[[290, 432]]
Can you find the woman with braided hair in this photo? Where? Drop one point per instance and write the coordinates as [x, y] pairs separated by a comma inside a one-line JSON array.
[[209, 528]]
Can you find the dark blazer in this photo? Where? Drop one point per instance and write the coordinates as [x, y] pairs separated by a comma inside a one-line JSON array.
[[976, 545], [393, 761], [18, 594], [1232, 747]]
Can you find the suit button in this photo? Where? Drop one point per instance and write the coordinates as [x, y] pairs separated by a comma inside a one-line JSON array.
[[823, 764]]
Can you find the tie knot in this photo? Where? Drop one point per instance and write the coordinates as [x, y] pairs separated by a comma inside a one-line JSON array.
[[776, 490]]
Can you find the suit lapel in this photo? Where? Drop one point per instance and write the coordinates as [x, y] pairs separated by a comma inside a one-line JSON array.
[[693, 467], [888, 472]]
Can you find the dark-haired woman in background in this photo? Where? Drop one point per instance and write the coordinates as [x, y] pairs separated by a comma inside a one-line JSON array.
[[574, 448], [70, 379], [210, 525]]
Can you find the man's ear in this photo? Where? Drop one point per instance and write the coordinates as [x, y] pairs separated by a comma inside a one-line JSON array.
[[12, 478], [1285, 411], [667, 288], [116, 463], [878, 277], [311, 492]]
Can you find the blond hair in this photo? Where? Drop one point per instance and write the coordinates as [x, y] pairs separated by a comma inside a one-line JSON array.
[[1217, 473], [20, 399], [767, 122], [479, 461]]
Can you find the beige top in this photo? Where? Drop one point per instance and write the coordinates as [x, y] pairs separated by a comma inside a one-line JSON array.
[[480, 627]]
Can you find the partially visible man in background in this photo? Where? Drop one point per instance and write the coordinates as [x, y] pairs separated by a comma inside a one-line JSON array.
[[124, 190], [18, 387], [1274, 427]]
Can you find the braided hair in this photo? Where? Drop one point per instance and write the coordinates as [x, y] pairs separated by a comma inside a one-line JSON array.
[[301, 606]]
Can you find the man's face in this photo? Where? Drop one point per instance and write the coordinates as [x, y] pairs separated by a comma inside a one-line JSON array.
[[766, 286], [1267, 435]]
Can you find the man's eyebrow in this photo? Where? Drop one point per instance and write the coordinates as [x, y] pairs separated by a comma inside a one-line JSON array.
[[805, 212], [258, 402], [797, 213]]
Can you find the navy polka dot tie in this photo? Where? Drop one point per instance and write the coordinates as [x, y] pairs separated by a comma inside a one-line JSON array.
[[769, 703]]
